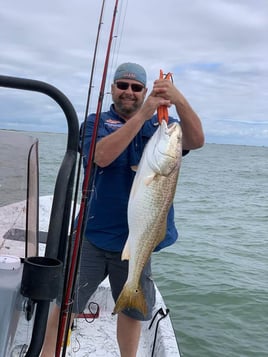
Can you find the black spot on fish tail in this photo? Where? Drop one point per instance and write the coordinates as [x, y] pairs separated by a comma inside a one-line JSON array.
[[130, 299]]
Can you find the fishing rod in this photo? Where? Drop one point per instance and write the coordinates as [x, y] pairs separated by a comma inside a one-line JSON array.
[[66, 309], [69, 248]]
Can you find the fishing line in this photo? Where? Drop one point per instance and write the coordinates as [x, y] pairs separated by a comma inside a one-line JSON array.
[[65, 311], [121, 25], [116, 48]]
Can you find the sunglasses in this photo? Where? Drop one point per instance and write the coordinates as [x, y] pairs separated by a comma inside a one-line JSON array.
[[134, 86]]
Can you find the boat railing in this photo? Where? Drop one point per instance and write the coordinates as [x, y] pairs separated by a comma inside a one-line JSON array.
[[41, 274]]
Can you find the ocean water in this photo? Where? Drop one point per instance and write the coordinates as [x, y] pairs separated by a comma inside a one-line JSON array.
[[214, 279]]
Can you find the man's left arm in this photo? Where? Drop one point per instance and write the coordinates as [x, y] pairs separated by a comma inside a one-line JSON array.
[[193, 136]]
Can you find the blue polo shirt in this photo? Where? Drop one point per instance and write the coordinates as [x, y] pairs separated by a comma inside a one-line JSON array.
[[107, 225]]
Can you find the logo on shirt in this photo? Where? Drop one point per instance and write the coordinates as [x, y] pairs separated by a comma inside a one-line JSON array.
[[113, 123]]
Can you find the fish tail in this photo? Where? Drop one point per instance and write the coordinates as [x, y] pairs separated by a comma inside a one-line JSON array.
[[131, 299]]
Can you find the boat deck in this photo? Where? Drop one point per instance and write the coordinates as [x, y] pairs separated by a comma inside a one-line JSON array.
[[89, 337]]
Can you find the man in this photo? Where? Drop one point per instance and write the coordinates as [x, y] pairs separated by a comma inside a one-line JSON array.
[[122, 135]]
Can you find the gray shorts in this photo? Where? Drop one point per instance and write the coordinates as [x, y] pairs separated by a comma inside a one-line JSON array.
[[95, 265]]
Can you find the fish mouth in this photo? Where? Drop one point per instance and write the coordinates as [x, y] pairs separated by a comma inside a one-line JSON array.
[[171, 128], [167, 131], [164, 152]]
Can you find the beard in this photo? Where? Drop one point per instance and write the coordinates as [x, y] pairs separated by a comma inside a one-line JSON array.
[[129, 108]]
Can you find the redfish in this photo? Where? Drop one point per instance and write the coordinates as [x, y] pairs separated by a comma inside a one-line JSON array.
[[151, 196]]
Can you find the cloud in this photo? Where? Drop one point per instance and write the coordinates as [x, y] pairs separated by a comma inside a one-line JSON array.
[[216, 50]]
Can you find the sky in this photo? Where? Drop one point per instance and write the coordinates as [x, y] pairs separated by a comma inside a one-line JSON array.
[[217, 51]]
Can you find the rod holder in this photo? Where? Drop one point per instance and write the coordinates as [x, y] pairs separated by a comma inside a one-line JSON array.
[[41, 278]]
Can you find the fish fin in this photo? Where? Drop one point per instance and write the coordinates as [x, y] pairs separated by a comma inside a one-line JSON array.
[[126, 251], [131, 299], [134, 168], [149, 179]]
